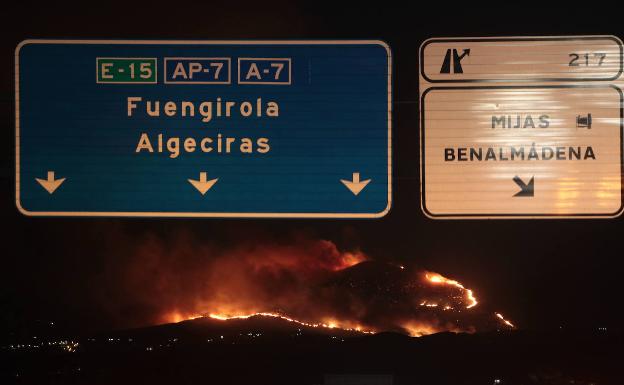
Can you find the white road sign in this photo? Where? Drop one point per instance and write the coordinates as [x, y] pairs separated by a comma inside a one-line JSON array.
[[514, 128]]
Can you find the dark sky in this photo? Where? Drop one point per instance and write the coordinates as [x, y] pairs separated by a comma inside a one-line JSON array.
[[540, 273]]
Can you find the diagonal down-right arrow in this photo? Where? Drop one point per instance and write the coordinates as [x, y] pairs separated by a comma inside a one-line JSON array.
[[527, 189]]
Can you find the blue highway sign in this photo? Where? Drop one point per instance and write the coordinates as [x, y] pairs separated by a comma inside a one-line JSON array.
[[297, 129]]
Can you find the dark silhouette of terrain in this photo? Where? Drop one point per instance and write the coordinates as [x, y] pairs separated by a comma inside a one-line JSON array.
[[264, 350]]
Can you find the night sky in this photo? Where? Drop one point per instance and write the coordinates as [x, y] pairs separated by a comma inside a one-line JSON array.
[[541, 274]]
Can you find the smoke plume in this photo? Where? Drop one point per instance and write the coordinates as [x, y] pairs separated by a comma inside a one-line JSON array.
[[306, 279]]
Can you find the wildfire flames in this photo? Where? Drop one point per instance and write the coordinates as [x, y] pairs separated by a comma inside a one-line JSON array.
[[180, 276], [315, 285], [500, 316], [330, 325], [437, 278]]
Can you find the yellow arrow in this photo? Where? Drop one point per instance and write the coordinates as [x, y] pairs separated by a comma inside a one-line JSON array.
[[203, 184], [355, 185], [50, 184]]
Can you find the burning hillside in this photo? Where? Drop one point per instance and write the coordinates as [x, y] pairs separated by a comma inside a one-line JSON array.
[[312, 283]]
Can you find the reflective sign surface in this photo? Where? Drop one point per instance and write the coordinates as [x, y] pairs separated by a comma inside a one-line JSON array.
[[203, 129], [526, 127]]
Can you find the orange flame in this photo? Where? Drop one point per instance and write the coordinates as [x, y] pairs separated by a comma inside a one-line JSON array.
[[349, 259], [227, 310], [439, 279], [177, 316], [419, 329], [328, 324]]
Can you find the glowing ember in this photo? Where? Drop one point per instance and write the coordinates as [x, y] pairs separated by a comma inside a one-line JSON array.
[[500, 316]]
